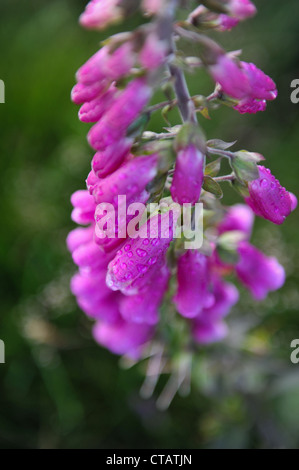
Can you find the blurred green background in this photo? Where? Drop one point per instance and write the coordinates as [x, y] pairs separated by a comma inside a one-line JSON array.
[[58, 389]]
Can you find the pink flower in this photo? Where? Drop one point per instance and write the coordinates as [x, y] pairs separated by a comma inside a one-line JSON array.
[[225, 296], [257, 272], [233, 80], [82, 93], [142, 257], [193, 284], [84, 207], [125, 109], [119, 62], [100, 13], [129, 180], [241, 9], [262, 86], [144, 306], [268, 199], [93, 111], [250, 106], [226, 23], [154, 52], [238, 217], [122, 337], [106, 161], [188, 175], [79, 236], [209, 332], [92, 71]]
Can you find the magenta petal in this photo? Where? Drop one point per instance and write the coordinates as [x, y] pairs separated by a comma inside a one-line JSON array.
[[259, 273], [144, 306], [122, 337], [79, 236], [188, 176], [193, 280], [267, 198]]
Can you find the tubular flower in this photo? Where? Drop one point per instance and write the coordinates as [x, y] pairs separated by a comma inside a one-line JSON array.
[[137, 276], [268, 199], [188, 175], [257, 272]]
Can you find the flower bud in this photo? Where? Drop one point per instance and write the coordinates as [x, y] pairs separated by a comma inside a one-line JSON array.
[[188, 175]]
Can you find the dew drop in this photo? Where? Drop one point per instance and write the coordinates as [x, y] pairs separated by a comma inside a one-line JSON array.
[[155, 241], [142, 268], [264, 183], [145, 241], [127, 247], [141, 253]]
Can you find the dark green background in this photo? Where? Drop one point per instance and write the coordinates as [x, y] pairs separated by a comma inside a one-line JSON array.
[[58, 388]]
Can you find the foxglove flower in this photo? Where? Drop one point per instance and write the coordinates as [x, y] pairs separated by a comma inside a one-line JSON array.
[[144, 306], [84, 207], [94, 110], [259, 273], [238, 218], [122, 337], [241, 9], [225, 296], [143, 256], [262, 88], [100, 13], [188, 175], [126, 108], [129, 180], [233, 80], [154, 52], [193, 284], [106, 161], [268, 199]]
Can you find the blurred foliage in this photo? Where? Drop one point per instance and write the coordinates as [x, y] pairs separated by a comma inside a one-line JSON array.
[[58, 388]]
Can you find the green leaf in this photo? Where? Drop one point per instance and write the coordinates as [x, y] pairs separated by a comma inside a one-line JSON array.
[[245, 169], [212, 187], [213, 168], [250, 156], [220, 144]]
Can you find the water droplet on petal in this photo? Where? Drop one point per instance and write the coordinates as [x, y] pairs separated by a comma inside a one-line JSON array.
[[152, 261], [142, 268], [145, 241], [141, 253], [155, 241], [264, 183]]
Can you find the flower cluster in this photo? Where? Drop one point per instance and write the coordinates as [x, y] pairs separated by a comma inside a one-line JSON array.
[[123, 281]]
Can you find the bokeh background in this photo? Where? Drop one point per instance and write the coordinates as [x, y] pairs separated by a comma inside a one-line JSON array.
[[58, 389]]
